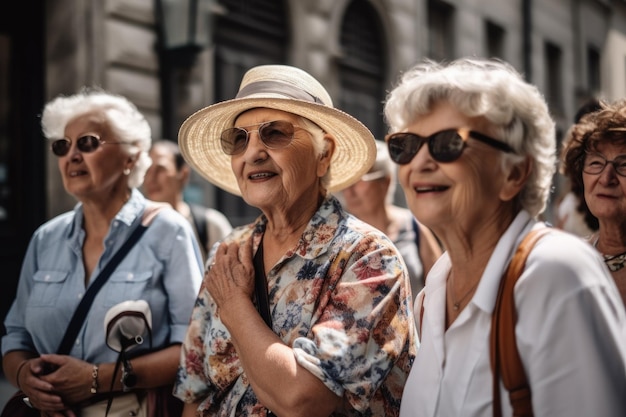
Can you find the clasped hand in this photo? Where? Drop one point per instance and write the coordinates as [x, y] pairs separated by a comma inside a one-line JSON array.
[[231, 275], [55, 382]]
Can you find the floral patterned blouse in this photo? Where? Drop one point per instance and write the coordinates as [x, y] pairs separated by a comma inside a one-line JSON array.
[[339, 298]]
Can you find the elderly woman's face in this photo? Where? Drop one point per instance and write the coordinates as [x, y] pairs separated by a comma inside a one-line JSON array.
[[95, 174], [605, 189], [367, 195], [282, 178], [464, 192]]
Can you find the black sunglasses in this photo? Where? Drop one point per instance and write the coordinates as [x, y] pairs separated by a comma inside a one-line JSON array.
[[85, 144], [444, 146], [274, 135]]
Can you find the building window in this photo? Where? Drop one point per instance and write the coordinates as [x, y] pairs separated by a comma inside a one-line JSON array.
[[440, 31], [362, 66], [593, 70], [553, 71], [494, 35]]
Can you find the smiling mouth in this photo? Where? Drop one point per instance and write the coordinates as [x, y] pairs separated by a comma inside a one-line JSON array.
[[261, 176], [77, 173], [430, 189]]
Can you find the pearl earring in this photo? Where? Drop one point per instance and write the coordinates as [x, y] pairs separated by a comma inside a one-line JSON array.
[[126, 171]]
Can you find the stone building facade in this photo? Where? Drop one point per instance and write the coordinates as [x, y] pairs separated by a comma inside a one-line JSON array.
[[571, 49]]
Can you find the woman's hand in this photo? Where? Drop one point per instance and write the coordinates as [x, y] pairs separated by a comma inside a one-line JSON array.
[[41, 394], [71, 377], [232, 273]]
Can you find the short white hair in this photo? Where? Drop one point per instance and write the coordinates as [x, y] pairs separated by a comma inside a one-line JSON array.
[[122, 116], [494, 90]]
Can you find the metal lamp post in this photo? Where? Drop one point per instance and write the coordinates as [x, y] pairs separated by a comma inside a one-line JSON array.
[[183, 32]]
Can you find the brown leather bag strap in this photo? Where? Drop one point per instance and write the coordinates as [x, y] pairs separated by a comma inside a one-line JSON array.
[[505, 358]]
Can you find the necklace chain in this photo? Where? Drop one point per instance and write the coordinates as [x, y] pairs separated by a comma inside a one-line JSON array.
[[613, 262], [456, 304]]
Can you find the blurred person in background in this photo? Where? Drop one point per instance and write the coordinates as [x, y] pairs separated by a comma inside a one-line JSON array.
[[371, 200], [101, 142], [573, 215], [166, 180], [594, 160]]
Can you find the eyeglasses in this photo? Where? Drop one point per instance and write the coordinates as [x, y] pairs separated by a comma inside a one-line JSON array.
[[595, 163], [274, 135], [444, 146], [85, 144]]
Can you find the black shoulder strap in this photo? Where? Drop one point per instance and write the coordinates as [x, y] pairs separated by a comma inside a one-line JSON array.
[[416, 230], [83, 307], [199, 220], [260, 287]]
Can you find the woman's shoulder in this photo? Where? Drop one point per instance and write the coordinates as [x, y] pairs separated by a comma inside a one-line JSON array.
[[163, 214], [57, 224], [563, 258], [562, 246]]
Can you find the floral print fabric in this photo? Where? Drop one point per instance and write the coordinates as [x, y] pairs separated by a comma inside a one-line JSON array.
[[340, 299]]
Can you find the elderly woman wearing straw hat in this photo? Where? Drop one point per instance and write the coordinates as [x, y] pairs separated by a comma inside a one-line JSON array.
[[307, 311]]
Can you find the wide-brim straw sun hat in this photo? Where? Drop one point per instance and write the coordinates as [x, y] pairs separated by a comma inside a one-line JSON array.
[[285, 88]]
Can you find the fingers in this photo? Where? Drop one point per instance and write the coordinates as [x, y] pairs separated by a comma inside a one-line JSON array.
[[51, 362], [221, 250], [46, 401], [246, 252], [233, 253]]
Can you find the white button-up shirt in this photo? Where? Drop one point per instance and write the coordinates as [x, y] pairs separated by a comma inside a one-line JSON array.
[[570, 332]]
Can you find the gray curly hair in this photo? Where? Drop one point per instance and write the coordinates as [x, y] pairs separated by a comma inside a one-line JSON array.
[[494, 90]]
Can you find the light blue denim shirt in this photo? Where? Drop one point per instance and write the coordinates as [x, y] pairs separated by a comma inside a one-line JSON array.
[[164, 268]]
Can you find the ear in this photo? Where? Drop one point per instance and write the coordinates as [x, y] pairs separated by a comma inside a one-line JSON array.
[[326, 155], [387, 182], [516, 179], [184, 174], [132, 160]]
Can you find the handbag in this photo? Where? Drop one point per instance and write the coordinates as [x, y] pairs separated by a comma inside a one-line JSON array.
[[18, 405]]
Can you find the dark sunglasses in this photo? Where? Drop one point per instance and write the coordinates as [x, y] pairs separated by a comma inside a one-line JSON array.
[[85, 144], [444, 146], [274, 135]]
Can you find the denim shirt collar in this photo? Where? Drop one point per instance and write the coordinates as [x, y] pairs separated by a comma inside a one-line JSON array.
[[127, 215]]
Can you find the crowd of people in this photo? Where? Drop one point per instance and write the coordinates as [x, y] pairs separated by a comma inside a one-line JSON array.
[[335, 301]]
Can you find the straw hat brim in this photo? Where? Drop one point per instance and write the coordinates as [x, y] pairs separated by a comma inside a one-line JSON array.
[[199, 139]]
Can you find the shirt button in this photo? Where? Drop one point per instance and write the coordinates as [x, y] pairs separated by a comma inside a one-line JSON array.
[[115, 224], [77, 342], [47, 278], [80, 295], [129, 277]]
